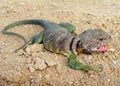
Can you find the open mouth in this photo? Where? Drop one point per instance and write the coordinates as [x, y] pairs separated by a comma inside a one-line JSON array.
[[102, 48]]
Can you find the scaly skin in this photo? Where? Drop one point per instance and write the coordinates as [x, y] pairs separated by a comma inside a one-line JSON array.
[[60, 38]]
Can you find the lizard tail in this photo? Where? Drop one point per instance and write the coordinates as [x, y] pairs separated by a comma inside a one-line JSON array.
[[22, 22]]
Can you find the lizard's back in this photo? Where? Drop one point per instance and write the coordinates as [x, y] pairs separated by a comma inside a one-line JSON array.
[[57, 39]]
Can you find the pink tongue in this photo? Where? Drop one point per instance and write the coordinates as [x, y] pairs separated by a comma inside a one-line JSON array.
[[102, 48]]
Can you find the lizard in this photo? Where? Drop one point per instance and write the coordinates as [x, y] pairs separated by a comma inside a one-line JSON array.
[[60, 39]]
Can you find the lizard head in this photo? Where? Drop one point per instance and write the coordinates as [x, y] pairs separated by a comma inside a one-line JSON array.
[[94, 40]]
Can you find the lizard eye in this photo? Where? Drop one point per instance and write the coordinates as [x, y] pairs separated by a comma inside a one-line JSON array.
[[101, 39]]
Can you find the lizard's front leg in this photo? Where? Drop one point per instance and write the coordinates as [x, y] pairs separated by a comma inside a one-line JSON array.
[[78, 65]]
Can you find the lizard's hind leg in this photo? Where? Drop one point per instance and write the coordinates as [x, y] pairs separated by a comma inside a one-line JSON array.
[[38, 38], [68, 26], [35, 39]]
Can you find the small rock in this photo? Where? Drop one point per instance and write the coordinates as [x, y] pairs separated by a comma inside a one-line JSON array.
[[47, 76], [70, 82], [29, 61], [31, 77], [40, 76], [108, 80], [34, 8], [50, 62], [111, 50], [90, 57], [53, 4], [114, 62], [34, 49], [31, 69], [39, 63]]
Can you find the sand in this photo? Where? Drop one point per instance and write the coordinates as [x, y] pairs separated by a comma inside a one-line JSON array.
[[38, 67]]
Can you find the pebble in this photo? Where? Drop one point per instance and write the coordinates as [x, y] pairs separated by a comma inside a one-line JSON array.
[[40, 76], [50, 62], [70, 82], [53, 4], [31, 69], [34, 49], [114, 62], [47, 76], [32, 79], [108, 80], [39, 63], [111, 50]]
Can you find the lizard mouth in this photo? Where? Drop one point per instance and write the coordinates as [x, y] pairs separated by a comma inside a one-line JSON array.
[[100, 48]]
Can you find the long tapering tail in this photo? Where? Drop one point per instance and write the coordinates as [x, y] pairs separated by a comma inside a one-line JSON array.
[[22, 22]]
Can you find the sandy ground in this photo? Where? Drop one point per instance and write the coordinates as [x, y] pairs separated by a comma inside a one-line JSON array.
[[38, 67]]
